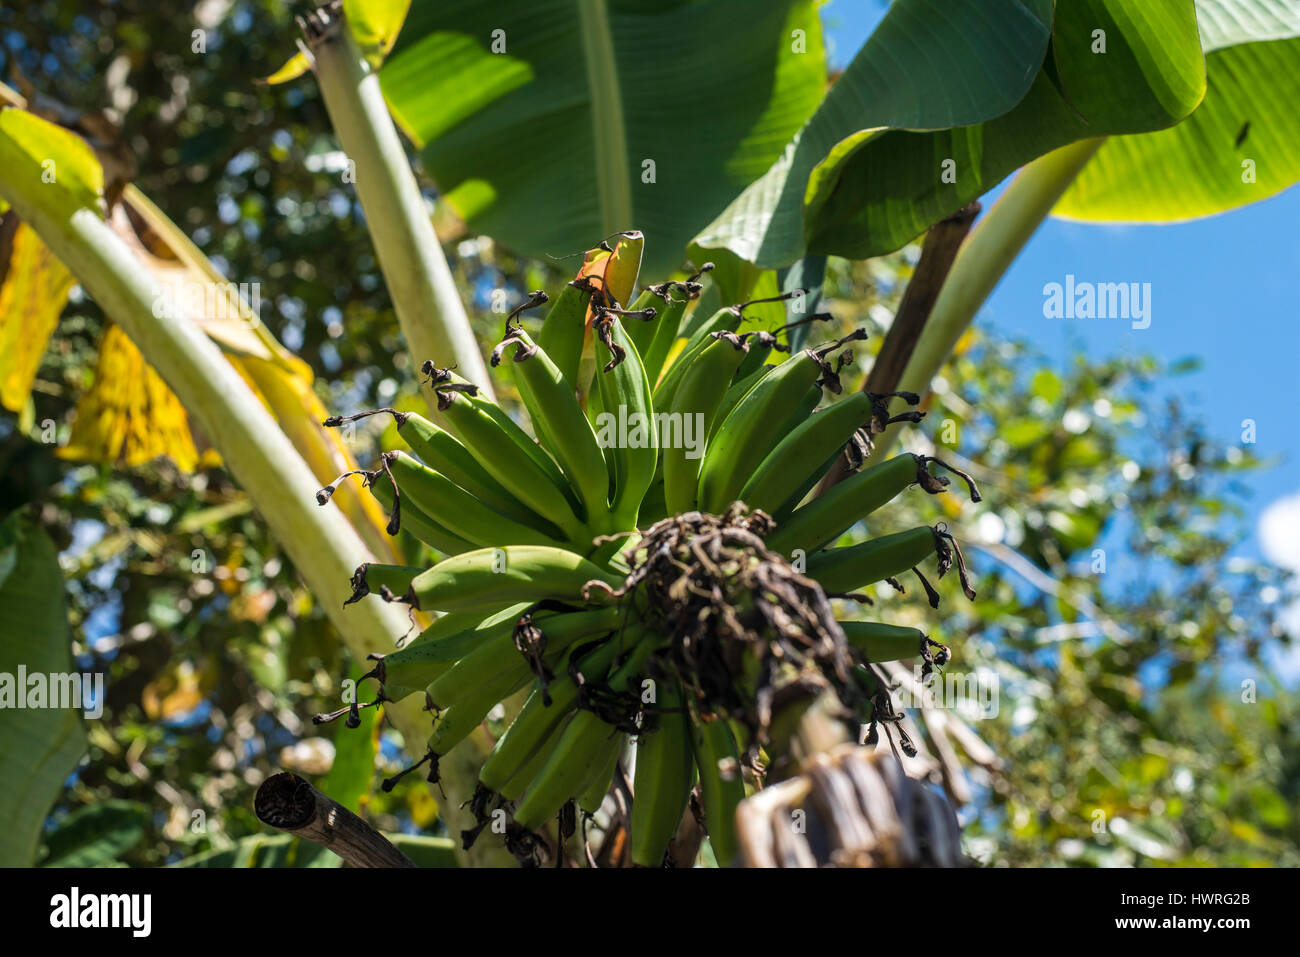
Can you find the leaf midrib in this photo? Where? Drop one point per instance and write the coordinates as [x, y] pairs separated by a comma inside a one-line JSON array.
[[608, 131]]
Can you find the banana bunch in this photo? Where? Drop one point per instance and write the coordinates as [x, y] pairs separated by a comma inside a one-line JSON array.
[[647, 564]]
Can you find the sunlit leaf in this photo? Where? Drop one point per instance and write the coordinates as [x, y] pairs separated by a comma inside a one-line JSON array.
[[129, 415], [552, 122], [1240, 146]]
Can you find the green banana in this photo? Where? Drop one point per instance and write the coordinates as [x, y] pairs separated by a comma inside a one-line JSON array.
[[877, 641], [508, 453], [665, 769], [536, 720], [737, 389], [844, 570], [457, 722], [725, 319], [411, 669], [513, 788], [415, 521], [562, 425], [747, 434], [642, 333], [700, 391], [455, 509], [626, 398], [498, 652], [565, 328], [578, 755], [722, 786], [594, 796], [443, 452], [487, 577], [821, 434], [830, 514], [666, 325]]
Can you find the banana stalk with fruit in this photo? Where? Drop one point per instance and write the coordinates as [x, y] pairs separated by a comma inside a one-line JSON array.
[[645, 591]]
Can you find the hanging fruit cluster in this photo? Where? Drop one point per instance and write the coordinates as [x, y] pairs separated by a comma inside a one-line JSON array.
[[652, 566]]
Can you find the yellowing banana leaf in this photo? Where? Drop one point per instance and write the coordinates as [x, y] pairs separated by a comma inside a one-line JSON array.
[[113, 417], [553, 121], [1240, 146], [129, 417], [39, 747], [33, 293], [943, 102]]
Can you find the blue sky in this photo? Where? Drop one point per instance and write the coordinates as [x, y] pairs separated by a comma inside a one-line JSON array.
[[1220, 292]]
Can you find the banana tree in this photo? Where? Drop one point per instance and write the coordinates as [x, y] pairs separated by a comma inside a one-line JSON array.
[[554, 127]]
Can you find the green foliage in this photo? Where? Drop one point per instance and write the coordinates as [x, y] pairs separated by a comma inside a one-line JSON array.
[[538, 125], [39, 745], [1138, 719]]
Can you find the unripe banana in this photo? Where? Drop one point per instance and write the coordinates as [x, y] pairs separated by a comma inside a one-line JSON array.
[[489, 577], [642, 332], [537, 719], [722, 787], [498, 653], [736, 390], [594, 796], [563, 427], [665, 773], [802, 451], [830, 514], [415, 521], [455, 509], [565, 327], [844, 570], [697, 396], [785, 395], [579, 754], [410, 669], [509, 454], [877, 641], [725, 319], [745, 437], [626, 397], [514, 787], [677, 297], [443, 452], [454, 724]]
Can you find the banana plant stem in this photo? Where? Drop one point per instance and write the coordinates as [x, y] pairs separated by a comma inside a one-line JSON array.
[[981, 262], [429, 309], [323, 546]]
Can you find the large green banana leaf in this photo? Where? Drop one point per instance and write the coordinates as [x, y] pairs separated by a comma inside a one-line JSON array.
[[39, 746], [865, 176], [549, 143], [1241, 145]]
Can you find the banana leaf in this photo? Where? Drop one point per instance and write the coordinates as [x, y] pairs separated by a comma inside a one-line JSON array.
[[901, 142], [1242, 145]]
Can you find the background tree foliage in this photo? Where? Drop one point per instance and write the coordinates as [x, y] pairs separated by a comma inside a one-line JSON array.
[[1121, 729]]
